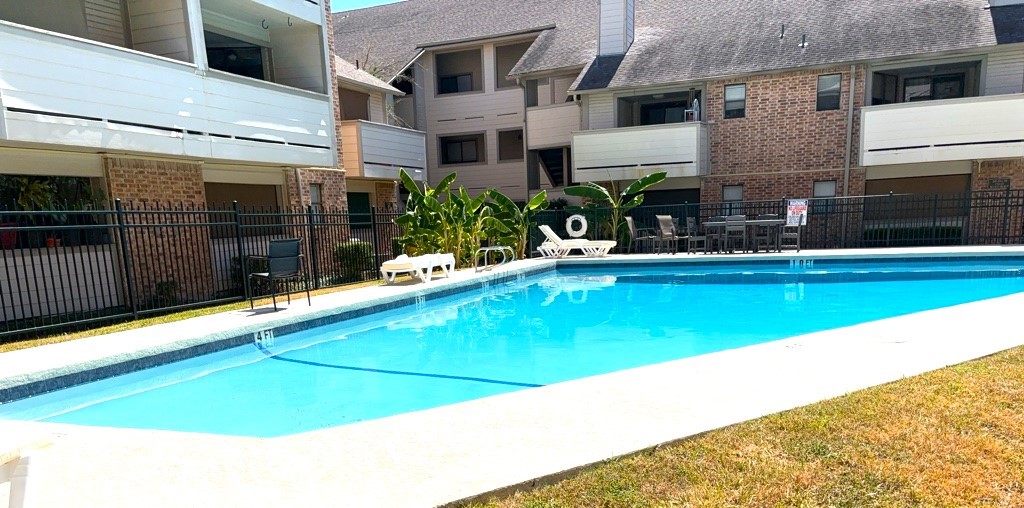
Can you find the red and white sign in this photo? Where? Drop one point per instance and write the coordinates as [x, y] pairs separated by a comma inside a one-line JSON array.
[[796, 212]]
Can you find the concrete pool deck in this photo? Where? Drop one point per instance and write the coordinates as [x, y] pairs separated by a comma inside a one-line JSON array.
[[454, 452]]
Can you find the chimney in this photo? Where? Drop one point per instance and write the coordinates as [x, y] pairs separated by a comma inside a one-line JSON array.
[[615, 27]]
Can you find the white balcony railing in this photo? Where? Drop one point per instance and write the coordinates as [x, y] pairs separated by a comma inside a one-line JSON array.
[[376, 150], [679, 149], [551, 126], [61, 90], [990, 127]]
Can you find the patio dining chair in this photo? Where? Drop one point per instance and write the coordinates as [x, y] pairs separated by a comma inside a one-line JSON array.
[[693, 238], [667, 237], [767, 234], [640, 236], [790, 235], [715, 234], [735, 231], [284, 262]]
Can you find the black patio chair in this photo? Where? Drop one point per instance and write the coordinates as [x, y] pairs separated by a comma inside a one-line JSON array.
[[667, 233], [284, 262]]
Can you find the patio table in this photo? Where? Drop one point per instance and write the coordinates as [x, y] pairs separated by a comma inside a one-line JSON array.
[[749, 223]]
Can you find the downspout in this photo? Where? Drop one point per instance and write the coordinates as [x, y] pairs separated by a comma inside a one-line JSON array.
[[849, 146], [849, 132]]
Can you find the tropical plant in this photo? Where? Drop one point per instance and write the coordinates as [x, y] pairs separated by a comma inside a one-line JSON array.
[[616, 203], [440, 220], [510, 225]]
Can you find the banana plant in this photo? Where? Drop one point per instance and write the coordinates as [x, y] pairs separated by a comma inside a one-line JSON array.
[[615, 201], [511, 225]]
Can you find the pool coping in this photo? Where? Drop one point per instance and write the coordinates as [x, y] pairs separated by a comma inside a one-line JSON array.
[[25, 377]]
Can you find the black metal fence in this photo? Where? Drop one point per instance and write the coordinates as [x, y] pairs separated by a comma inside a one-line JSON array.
[[62, 269], [892, 220]]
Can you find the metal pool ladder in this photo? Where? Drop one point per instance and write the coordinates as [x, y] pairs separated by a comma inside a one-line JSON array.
[[486, 258]]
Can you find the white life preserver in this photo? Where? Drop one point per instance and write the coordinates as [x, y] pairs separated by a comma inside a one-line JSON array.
[[579, 220]]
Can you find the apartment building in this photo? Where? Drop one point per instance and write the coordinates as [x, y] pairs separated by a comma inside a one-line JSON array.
[[735, 99], [196, 101], [373, 142]]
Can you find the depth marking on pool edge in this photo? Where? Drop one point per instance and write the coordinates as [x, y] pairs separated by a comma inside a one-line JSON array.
[[806, 264], [263, 338], [273, 356]]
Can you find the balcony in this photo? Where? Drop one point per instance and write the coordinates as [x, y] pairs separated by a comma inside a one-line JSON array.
[[972, 128], [679, 149], [376, 150], [551, 126], [64, 90]]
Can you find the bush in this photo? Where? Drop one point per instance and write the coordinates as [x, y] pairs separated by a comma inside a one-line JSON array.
[[353, 258]]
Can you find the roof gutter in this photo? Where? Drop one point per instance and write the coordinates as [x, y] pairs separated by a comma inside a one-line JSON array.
[[430, 45], [406, 66]]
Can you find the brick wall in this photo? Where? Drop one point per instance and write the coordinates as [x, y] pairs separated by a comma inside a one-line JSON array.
[[993, 217], [169, 263], [386, 196], [782, 145], [332, 187]]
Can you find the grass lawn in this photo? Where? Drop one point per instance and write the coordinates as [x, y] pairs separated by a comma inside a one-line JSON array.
[[953, 437], [177, 316]]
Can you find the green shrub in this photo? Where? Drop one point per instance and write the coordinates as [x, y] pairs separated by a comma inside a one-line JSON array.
[[353, 258]]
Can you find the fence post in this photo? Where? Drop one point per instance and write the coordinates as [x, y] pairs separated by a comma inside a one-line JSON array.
[[314, 258], [374, 237], [1006, 218], [243, 263], [126, 261]]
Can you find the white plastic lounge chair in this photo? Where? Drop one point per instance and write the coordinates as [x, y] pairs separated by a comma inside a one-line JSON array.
[[555, 246], [15, 461], [421, 267]]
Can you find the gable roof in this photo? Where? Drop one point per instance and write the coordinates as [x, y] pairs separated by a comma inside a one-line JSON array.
[[683, 40], [347, 72], [389, 36]]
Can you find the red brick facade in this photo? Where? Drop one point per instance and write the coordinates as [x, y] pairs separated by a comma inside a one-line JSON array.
[[783, 144], [332, 187], [164, 267], [386, 198]]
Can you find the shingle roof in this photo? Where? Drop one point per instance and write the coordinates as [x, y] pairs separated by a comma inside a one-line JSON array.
[[682, 40], [347, 71]]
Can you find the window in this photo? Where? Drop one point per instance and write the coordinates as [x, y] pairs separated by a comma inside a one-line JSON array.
[[459, 71], [822, 191], [461, 149], [505, 58], [736, 101], [316, 197], [829, 87], [732, 197], [510, 145]]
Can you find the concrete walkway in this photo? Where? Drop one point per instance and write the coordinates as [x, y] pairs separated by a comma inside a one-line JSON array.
[[450, 453]]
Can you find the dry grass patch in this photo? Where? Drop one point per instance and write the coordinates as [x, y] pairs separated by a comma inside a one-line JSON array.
[[953, 437]]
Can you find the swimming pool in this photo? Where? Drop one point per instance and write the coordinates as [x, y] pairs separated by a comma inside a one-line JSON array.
[[552, 327]]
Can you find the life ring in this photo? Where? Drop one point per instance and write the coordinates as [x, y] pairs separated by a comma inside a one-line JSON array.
[[579, 220]]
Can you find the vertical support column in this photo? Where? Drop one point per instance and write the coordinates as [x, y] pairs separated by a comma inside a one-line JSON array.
[[313, 248], [196, 39]]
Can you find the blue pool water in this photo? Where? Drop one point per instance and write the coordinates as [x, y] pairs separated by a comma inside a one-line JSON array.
[[540, 330]]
